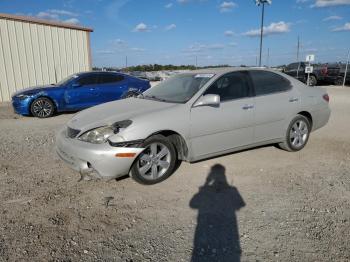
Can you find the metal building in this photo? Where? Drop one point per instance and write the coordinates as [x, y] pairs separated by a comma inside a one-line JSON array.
[[37, 52]]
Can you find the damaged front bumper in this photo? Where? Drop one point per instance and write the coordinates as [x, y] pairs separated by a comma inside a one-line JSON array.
[[95, 160]]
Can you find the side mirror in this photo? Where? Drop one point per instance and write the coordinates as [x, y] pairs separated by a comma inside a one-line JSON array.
[[74, 85], [208, 100]]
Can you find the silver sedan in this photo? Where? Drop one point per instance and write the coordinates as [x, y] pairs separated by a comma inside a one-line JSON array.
[[191, 117]]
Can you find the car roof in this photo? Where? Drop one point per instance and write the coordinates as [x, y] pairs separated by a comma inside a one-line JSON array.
[[99, 72], [224, 70]]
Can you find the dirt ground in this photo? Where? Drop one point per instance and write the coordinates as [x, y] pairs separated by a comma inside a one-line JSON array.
[[270, 204]]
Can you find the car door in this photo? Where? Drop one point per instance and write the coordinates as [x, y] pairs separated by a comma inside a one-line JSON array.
[[296, 70], [83, 92], [112, 86], [276, 102], [230, 125]]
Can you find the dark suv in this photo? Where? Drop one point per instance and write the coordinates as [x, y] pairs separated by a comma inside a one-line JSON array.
[[297, 70], [329, 73]]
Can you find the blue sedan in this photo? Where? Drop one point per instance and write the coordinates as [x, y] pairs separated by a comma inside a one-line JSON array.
[[77, 92]]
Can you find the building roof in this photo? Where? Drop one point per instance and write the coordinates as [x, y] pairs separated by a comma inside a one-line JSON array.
[[34, 20]]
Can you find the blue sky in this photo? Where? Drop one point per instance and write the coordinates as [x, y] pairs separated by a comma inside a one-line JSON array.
[[214, 31]]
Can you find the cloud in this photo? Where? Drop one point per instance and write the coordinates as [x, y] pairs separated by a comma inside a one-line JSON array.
[[229, 33], [301, 1], [183, 1], [59, 16], [274, 28], [137, 49], [215, 46], [345, 27], [71, 21], [327, 3], [47, 15], [227, 6], [170, 5], [170, 27], [141, 27], [232, 44], [332, 17], [105, 52], [62, 12], [118, 42], [199, 48]]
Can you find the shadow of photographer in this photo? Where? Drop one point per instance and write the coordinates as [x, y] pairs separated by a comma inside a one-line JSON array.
[[216, 236]]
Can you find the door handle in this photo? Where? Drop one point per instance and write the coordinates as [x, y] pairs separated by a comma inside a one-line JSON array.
[[293, 99], [247, 107]]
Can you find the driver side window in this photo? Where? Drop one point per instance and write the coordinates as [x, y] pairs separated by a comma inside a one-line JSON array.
[[88, 80], [231, 86]]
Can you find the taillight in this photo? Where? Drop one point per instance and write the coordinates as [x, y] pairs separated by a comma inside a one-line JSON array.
[[326, 97]]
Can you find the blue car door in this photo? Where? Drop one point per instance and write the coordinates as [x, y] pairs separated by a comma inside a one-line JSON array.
[[112, 86], [83, 92]]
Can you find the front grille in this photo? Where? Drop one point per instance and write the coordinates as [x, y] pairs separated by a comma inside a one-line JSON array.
[[72, 133]]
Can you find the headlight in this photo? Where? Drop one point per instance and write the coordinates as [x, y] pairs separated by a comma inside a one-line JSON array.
[[101, 134], [22, 97]]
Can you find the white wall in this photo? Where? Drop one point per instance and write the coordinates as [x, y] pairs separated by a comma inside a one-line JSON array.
[[35, 54]]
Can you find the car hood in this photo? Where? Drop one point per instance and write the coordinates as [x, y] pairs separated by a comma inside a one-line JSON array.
[[111, 112], [35, 89]]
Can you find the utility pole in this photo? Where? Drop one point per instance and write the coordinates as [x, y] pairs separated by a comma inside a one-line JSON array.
[[126, 62], [346, 68], [258, 3], [298, 48], [196, 62], [268, 58]]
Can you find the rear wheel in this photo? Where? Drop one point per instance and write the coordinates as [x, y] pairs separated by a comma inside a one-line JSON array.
[[156, 163], [339, 81], [312, 80], [42, 107], [297, 135]]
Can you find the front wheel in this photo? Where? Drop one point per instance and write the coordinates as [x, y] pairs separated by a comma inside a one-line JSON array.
[[42, 107], [297, 135], [156, 163]]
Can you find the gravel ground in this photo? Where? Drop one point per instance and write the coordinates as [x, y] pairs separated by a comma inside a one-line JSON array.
[[258, 205]]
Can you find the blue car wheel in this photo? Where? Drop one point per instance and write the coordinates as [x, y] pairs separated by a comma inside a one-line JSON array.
[[42, 107]]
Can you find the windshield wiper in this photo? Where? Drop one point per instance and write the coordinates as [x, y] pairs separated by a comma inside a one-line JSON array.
[[155, 98]]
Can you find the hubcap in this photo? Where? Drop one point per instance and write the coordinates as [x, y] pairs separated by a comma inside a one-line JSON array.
[[42, 108], [154, 161], [298, 133]]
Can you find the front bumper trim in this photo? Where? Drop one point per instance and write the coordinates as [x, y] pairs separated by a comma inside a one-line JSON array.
[[97, 159]]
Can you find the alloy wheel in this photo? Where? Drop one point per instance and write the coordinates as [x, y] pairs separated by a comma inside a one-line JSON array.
[[42, 108], [299, 133], [154, 161]]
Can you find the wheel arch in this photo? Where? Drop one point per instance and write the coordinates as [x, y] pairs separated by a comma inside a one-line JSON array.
[[308, 116], [178, 141], [55, 104]]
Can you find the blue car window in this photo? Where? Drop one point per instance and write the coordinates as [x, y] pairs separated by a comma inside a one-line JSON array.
[[88, 80], [110, 78]]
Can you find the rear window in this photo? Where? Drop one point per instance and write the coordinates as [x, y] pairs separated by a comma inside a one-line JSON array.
[[266, 82]]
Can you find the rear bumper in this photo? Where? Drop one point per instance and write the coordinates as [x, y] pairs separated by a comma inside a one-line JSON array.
[[99, 159], [320, 118]]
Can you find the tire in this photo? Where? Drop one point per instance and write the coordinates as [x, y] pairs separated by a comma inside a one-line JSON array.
[[297, 135], [151, 167], [42, 107], [339, 81], [312, 80], [130, 94]]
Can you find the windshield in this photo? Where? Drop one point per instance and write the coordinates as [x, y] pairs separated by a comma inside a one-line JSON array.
[[179, 88], [65, 80]]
